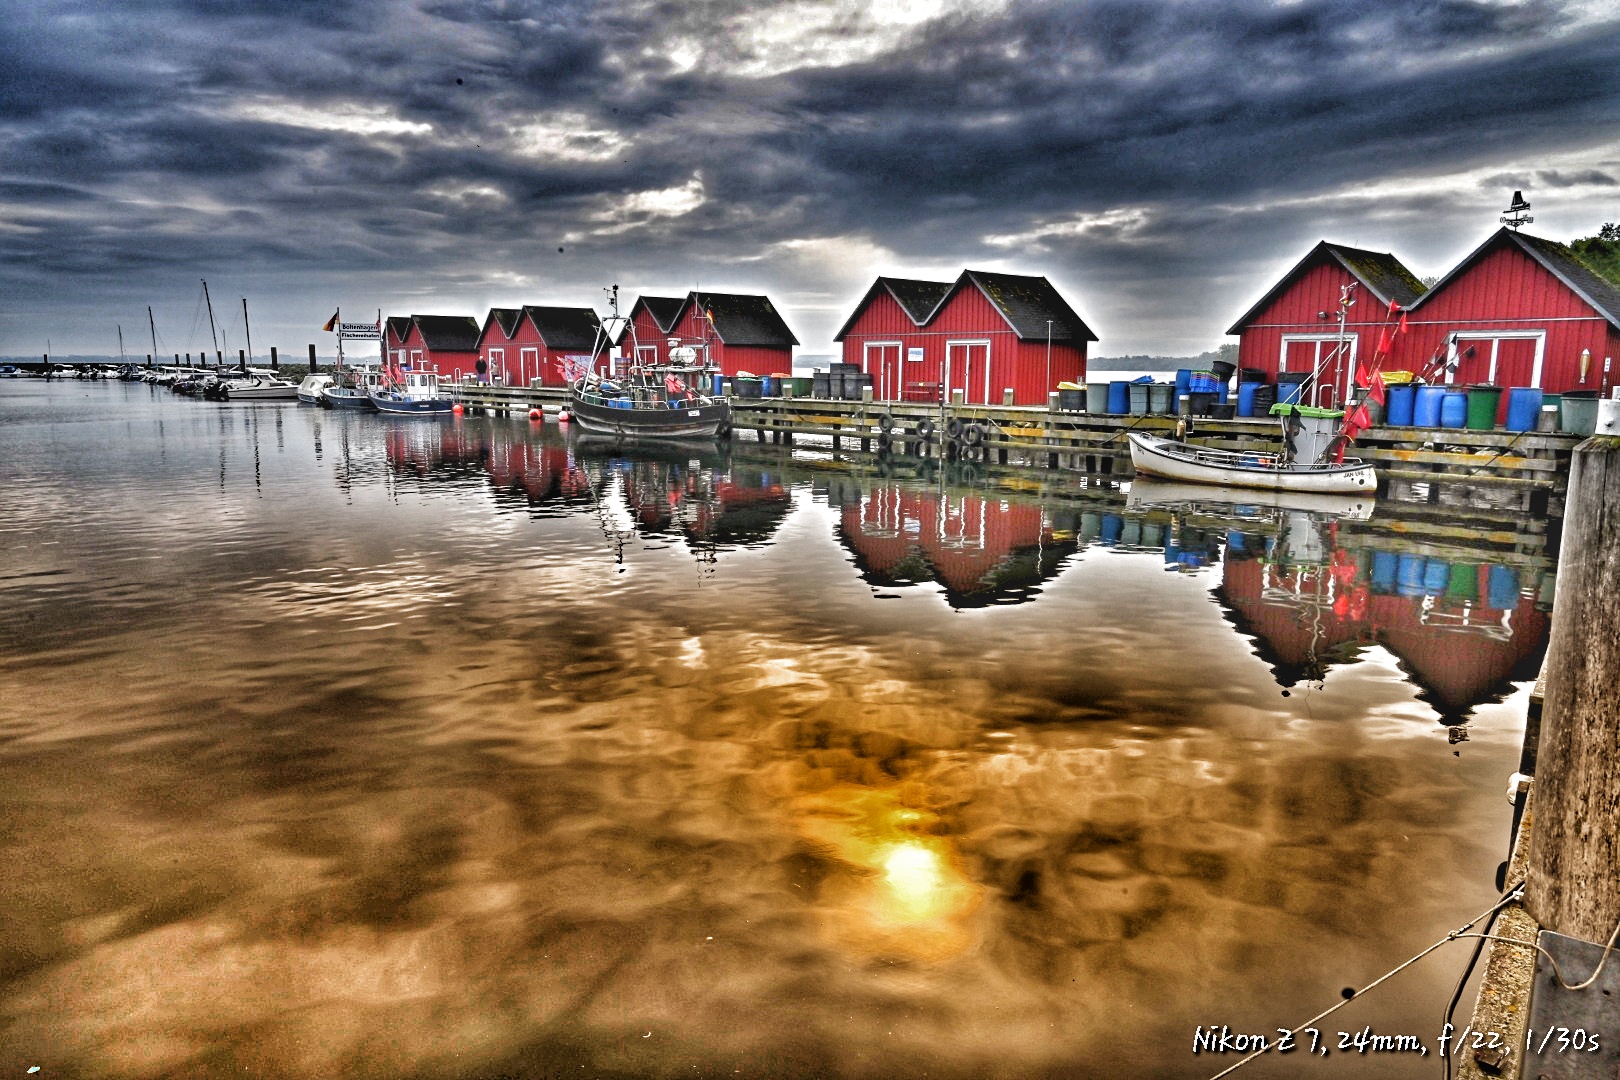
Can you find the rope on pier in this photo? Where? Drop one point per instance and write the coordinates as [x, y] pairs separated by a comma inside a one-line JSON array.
[[1514, 893]]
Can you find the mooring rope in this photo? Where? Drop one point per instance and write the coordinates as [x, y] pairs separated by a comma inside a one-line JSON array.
[[1514, 893]]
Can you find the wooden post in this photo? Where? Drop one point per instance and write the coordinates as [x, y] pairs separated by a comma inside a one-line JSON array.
[[275, 361], [312, 359], [241, 358], [1573, 881]]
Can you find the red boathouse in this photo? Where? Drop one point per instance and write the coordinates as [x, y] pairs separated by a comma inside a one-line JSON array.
[[526, 346], [736, 332], [981, 335], [1518, 311], [1295, 326], [446, 344]]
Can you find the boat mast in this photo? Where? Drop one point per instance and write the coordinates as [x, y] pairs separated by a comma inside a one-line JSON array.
[[153, 325], [214, 334], [247, 330], [121, 358]]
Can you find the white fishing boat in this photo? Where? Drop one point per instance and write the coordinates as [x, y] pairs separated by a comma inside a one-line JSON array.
[[1153, 455]]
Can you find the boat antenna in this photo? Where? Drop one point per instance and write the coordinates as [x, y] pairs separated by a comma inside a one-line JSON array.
[[249, 332], [219, 357]]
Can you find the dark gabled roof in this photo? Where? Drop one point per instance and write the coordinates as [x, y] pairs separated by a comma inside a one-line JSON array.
[[399, 326], [564, 327], [1027, 303], [505, 318], [743, 319], [1559, 261], [1382, 273], [916, 298], [665, 310], [448, 333]]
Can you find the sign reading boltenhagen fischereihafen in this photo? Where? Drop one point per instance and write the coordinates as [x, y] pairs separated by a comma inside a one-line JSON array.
[[361, 331]]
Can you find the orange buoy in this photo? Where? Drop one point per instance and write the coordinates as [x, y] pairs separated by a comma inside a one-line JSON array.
[[456, 408], [535, 414]]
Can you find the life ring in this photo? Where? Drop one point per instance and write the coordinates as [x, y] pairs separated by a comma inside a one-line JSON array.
[[953, 429], [925, 429], [973, 434], [886, 423]]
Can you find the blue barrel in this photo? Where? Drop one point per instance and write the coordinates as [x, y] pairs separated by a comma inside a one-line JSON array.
[[1398, 405], [1502, 588], [1112, 524], [1523, 408], [1454, 409], [1426, 410], [1235, 542], [719, 385], [1385, 565], [1409, 575], [1222, 392], [1436, 577], [1290, 386], [1183, 383], [1246, 397], [1119, 398]]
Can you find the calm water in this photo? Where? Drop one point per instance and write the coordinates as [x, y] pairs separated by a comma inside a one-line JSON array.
[[336, 746]]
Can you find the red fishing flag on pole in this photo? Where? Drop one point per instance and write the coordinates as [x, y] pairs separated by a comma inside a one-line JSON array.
[[1374, 382], [1385, 343]]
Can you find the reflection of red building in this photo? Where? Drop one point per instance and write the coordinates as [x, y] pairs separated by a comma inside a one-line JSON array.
[[1458, 650], [981, 550]]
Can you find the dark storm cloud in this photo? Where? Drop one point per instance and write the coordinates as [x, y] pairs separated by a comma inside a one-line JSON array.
[[445, 140]]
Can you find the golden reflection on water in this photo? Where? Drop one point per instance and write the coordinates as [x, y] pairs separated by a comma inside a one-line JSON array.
[[418, 785]]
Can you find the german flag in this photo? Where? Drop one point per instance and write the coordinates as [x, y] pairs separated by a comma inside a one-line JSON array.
[[331, 324]]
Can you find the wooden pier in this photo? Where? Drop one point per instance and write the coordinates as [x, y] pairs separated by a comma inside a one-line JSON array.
[[1531, 464]]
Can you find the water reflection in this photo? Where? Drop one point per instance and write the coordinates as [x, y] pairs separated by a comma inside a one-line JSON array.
[[382, 759]]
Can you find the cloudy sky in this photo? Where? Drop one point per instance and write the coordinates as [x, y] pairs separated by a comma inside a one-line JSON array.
[[1161, 161]]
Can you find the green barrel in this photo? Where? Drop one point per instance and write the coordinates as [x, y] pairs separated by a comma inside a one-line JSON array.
[[1482, 401]]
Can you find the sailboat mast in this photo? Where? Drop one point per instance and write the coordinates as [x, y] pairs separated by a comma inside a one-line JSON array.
[[153, 326], [246, 329], [337, 319], [121, 358], [214, 334]]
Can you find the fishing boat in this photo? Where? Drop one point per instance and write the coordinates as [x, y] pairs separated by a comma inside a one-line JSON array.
[[1154, 455], [658, 400], [1312, 456], [353, 389], [418, 395]]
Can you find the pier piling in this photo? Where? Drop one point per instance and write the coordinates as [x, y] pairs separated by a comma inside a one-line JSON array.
[[1573, 878]]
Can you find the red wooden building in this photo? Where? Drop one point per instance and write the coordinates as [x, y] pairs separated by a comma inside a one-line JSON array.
[[736, 332], [1295, 326], [446, 344], [526, 346], [981, 334], [1518, 311], [652, 323]]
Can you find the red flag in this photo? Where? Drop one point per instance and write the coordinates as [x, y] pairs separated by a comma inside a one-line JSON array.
[[1402, 328], [331, 324], [1360, 418], [1384, 343], [1394, 306], [1373, 381]]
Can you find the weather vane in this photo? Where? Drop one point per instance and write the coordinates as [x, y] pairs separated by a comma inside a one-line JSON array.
[[1516, 215]]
